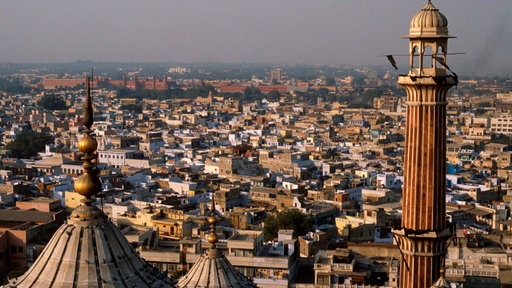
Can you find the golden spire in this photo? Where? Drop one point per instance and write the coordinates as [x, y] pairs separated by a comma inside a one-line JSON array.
[[441, 282], [88, 184], [212, 237], [442, 270]]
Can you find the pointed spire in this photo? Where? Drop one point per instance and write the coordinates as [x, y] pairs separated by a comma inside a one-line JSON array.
[[88, 184], [442, 269], [441, 282], [88, 117]]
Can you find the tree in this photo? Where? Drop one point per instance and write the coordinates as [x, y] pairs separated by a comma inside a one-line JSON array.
[[52, 102], [383, 119], [330, 81], [323, 91], [501, 139], [484, 104], [358, 82], [290, 218], [274, 95], [13, 85], [29, 143], [136, 108], [365, 99]]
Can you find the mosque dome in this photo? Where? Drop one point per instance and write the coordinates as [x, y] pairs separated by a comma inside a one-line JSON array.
[[213, 269], [429, 22], [89, 251], [441, 283]]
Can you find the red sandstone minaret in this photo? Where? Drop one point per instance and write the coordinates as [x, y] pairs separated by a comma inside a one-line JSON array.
[[422, 239]]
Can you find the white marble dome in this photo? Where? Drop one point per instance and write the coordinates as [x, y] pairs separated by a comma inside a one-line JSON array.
[[90, 251], [429, 22]]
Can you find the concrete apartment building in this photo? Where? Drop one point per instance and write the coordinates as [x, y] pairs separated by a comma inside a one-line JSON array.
[[501, 124], [22, 230]]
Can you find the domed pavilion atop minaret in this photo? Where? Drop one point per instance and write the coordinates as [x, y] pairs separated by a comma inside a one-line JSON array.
[[89, 250], [422, 238]]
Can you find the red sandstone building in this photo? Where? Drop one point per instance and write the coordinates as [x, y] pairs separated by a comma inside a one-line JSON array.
[[150, 83]]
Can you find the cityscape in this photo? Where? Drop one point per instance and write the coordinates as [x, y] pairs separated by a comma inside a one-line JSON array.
[[396, 173]]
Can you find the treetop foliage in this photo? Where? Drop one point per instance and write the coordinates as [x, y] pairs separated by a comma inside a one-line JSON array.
[[290, 218], [52, 102], [28, 143]]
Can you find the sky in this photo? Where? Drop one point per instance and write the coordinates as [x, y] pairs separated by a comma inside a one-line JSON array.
[[248, 31]]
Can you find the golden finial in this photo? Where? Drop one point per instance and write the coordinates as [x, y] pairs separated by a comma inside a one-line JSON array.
[[212, 237], [442, 269], [88, 184]]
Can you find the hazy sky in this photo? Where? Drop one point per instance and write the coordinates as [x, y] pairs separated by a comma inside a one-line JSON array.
[[274, 31]]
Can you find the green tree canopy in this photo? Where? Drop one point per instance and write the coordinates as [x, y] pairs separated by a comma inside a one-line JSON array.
[[136, 108], [501, 139], [330, 81], [274, 95], [290, 218], [383, 119], [29, 143], [52, 102], [13, 85], [358, 82]]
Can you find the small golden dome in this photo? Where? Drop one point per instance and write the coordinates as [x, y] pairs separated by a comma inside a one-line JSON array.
[[87, 185], [87, 144]]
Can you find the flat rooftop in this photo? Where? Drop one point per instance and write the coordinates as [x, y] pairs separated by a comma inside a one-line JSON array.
[[245, 235]]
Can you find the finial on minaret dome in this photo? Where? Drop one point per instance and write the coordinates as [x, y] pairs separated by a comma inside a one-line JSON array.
[[88, 184], [89, 250], [212, 220], [441, 282]]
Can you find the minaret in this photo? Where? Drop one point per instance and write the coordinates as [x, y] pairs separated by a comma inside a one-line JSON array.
[[422, 239], [210, 98]]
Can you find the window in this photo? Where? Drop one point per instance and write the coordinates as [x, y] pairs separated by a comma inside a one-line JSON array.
[[322, 280]]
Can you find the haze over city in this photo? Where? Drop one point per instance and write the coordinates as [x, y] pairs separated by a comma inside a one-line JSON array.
[[286, 31], [256, 144]]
